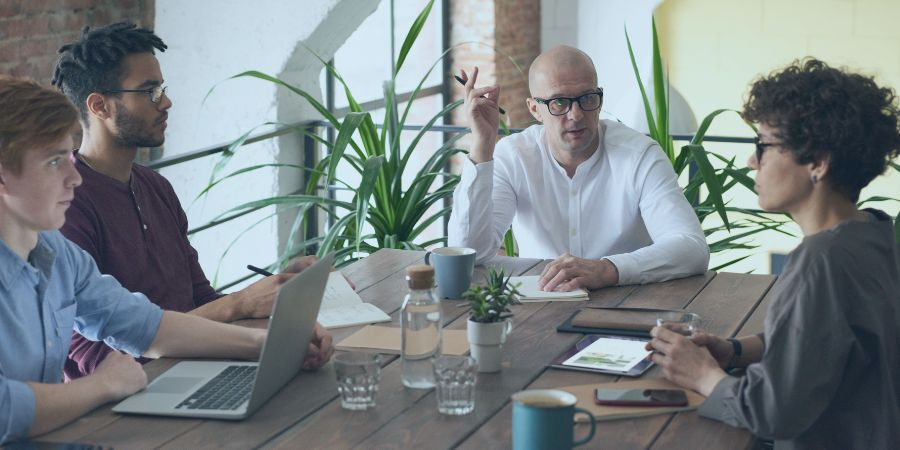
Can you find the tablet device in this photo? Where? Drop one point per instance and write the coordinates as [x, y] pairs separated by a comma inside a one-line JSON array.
[[606, 353]]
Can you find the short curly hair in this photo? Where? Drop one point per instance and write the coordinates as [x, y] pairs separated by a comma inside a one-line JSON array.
[[820, 111], [93, 62], [31, 116]]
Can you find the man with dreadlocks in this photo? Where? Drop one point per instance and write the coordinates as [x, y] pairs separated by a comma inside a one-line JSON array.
[[125, 215]]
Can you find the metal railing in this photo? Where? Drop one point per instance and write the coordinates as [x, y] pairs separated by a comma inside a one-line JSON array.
[[313, 127]]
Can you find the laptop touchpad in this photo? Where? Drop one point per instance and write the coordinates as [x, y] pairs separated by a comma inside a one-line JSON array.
[[173, 385]]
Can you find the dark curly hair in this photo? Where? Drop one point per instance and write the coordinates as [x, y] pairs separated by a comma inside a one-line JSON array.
[[822, 111], [93, 63]]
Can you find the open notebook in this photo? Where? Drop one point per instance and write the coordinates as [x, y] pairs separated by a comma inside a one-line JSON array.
[[529, 291], [343, 307]]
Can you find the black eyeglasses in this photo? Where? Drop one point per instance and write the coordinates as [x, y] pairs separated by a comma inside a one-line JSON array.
[[155, 93], [562, 105], [762, 146]]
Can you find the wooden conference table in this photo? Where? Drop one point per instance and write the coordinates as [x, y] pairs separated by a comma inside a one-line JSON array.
[[307, 412]]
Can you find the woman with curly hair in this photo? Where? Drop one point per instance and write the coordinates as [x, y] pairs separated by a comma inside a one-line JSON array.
[[825, 373]]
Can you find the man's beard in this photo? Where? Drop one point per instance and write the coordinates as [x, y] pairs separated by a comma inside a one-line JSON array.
[[132, 131]]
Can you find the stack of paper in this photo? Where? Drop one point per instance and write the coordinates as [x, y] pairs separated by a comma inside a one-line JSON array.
[[342, 306], [529, 291]]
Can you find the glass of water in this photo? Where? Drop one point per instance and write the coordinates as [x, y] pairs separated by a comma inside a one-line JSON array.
[[685, 323], [454, 378], [358, 375]]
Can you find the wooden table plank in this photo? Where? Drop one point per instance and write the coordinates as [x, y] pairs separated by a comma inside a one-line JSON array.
[[393, 398], [380, 265], [529, 348], [387, 293], [726, 305], [633, 433]]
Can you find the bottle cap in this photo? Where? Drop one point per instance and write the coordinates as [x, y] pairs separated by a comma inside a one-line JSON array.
[[420, 276]]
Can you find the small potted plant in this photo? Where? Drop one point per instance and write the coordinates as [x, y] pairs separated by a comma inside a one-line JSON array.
[[489, 318]]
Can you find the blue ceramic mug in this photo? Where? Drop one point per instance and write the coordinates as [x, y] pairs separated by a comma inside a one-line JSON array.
[[453, 267], [545, 418]]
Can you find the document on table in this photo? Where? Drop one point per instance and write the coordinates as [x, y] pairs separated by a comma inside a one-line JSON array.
[[342, 306], [529, 291]]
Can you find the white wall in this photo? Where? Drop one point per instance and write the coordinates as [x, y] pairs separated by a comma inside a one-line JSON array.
[[598, 28], [210, 41]]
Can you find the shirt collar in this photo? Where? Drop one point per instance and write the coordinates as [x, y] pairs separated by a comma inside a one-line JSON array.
[[587, 164], [11, 265]]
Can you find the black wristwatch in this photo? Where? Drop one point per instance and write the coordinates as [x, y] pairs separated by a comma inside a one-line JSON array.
[[738, 350]]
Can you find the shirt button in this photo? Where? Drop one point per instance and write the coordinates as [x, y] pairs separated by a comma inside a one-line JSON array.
[[145, 226]]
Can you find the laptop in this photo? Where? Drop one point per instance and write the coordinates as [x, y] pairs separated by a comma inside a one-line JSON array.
[[236, 389]]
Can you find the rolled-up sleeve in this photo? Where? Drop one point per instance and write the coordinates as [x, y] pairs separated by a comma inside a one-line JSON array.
[[126, 321], [483, 208], [16, 409]]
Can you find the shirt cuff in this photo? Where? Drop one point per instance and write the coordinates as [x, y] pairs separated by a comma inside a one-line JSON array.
[[716, 405], [473, 173], [627, 266], [21, 402]]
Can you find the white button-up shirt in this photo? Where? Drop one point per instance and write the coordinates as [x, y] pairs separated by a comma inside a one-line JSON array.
[[623, 204]]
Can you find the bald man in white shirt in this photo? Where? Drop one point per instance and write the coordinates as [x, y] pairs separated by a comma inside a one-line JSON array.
[[597, 197]]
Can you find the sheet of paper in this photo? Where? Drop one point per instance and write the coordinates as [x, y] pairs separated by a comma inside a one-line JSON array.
[[610, 354], [528, 288], [338, 292], [350, 315], [343, 307]]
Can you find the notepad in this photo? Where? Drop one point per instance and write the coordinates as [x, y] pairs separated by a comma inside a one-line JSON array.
[[529, 291], [343, 307]]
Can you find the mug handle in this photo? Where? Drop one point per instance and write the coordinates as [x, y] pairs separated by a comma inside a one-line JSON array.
[[593, 427], [428, 258], [507, 329]]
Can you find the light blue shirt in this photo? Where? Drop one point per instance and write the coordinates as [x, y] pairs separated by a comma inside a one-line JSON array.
[[41, 301]]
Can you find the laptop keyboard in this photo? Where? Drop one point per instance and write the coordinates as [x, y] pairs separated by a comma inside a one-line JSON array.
[[226, 391]]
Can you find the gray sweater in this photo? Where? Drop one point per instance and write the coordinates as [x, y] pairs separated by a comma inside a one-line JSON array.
[[830, 373]]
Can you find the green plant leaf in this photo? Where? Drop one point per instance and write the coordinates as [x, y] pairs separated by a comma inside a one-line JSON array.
[[709, 177], [661, 96], [729, 263], [366, 187], [412, 35], [897, 228], [509, 243], [651, 125], [349, 126], [705, 124]]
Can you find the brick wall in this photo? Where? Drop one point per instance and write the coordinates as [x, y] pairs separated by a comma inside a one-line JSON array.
[[31, 31], [513, 28]]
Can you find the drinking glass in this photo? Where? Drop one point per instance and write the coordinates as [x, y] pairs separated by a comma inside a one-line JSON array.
[[358, 375], [687, 323], [454, 378]]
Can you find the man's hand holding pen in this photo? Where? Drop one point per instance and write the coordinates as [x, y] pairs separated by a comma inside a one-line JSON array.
[[482, 110]]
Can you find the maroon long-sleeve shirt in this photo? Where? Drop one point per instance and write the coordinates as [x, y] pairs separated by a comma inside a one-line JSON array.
[[137, 232]]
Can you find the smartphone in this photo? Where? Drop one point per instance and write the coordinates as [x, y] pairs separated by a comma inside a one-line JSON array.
[[641, 397]]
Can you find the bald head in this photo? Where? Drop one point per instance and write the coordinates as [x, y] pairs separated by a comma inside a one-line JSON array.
[[559, 63]]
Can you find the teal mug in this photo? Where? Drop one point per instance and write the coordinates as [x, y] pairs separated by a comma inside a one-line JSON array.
[[453, 268], [545, 419]]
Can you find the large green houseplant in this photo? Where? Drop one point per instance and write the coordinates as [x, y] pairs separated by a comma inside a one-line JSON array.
[[383, 212], [708, 183]]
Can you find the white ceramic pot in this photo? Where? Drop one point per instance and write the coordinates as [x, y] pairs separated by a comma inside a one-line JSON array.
[[486, 343]]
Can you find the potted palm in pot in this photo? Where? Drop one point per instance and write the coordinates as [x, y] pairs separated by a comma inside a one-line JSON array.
[[489, 318]]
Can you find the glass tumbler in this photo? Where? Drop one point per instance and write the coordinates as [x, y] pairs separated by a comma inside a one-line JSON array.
[[454, 378], [358, 375]]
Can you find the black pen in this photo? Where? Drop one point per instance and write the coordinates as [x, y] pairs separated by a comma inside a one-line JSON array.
[[463, 82], [262, 272]]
